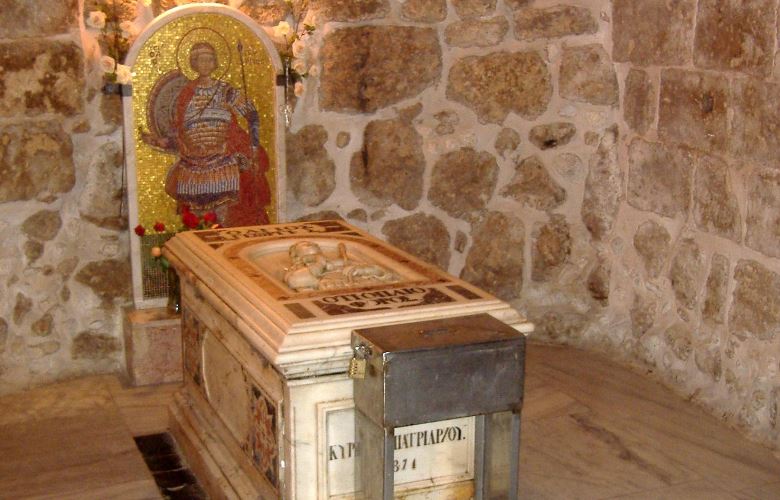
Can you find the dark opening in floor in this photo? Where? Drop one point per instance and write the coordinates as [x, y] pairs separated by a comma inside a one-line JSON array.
[[171, 474]]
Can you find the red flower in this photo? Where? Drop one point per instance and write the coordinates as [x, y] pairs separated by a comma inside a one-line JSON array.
[[139, 230], [159, 227], [185, 209], [190, 220], [210, 218]]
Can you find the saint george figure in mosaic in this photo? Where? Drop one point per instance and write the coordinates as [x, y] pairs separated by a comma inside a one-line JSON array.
[[220, 166], [205, 135]]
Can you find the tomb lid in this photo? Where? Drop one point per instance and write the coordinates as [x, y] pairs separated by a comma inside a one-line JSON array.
[[295, 291]]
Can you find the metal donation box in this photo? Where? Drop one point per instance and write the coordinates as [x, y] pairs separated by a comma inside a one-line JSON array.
[[427, 371]]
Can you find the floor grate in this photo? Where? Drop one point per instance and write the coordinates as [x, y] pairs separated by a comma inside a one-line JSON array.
[[173, 477]]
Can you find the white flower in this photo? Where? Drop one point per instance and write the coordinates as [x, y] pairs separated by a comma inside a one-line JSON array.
[[298, 89], [123, 74], [314, 70], [129, 29], [107, 64], [299, 66], [282, 29], [96, 20], [298, 47]]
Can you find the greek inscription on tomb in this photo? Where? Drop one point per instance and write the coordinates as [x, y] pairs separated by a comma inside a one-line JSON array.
[[417, 439]]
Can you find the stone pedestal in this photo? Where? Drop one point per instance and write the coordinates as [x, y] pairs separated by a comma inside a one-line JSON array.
[[152, 346], [266, 410]]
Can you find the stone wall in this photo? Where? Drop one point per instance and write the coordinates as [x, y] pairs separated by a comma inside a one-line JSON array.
[[608, 167], [64, 250]]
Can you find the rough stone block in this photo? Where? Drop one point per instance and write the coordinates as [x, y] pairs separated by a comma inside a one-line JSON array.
[[715, 205], [679, 338], [588, 75], [652, 33], [124, 10], [642, 315], [463, 181], [100, 199], [94, 345], [423, 236], [495, 261], [311, 173], [447, 121], [390, 166], [552, 247], [687, 273], [659, 178], [763, 213], [755, 309], [559, 324], [474, 8], [756, 121], [598, 282], [716, 288], [36, 160], [499, 83], [708, 362], [552, 135], [22, 306], [160, 6], [37, 18], [266, 12], [350, 10], [639, 101], [554, 22], [651, 242], [42, 225], [694, 108], [111, 111], [108, 279], [153, 346], [367, 68], [41, 76], [507, 141], [735, 36], [533, 186], [424, 11], [602, 196], [477, 32]]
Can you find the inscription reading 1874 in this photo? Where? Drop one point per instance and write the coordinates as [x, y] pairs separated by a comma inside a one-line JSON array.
[[439, 452]]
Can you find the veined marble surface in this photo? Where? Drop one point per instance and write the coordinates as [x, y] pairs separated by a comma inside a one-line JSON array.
[[240, 271]]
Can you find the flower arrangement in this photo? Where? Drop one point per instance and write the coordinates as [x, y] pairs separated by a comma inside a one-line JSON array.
[[292, 38], [114, 39], [190, 221]]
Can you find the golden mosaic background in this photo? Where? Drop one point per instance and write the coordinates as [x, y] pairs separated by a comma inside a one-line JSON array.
[[157, 57]]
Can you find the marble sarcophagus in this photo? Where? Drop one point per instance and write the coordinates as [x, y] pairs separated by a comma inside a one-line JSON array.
[[266, 410]]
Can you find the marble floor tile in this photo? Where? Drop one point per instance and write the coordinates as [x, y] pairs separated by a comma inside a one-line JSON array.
[[700, 490], [63, 399], [545, 402], [766, 491], [145, 408], [580, 456], [69, 441]]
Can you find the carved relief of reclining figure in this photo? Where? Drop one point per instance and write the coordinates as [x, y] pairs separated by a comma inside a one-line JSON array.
[[312, 270]]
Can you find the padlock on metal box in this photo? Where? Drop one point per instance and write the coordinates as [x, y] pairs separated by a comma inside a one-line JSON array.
[[428, 371]]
